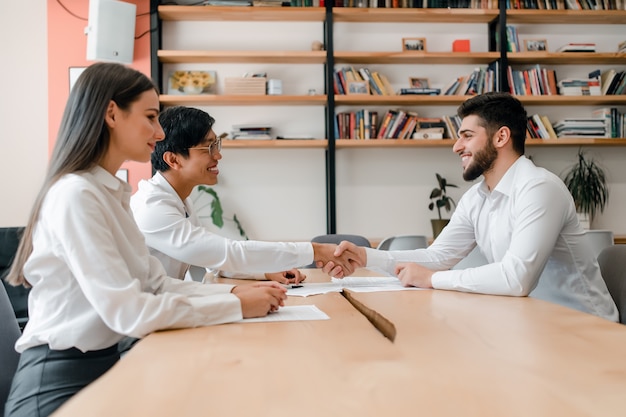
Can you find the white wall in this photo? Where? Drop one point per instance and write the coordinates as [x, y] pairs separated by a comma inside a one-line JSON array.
[[23, 106], [278, 194]]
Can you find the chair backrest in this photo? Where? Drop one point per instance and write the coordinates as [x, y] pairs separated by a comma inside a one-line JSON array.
[[612, 261], [599, 239], [338, 238], [10, 332], [404, 242], [9, 241]]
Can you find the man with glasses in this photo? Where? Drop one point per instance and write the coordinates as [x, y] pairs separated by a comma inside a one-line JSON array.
[[188, 157]]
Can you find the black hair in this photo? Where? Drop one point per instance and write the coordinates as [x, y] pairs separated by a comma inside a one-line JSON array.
[[184, 127], [496, 110]]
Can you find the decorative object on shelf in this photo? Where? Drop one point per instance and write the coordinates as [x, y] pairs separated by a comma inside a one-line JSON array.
[[192, 82], [317, 46], [247, 86], [414, 44], [206, 198], [274, 87], [358, 87], [440, 199], [586, 181], [461, 45], [416, 82], [535, 45]]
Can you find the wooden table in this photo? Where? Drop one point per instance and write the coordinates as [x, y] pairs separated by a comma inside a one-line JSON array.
[[452, 354]]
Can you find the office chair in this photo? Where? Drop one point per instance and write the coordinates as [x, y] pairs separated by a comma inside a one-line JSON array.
[[338, 238], [404, 242], [10, 331], [599, 239], [9, 241], [612, 264]]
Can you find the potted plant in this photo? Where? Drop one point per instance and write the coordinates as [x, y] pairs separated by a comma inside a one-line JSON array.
[[586, 181], [439, 199], [228, 227]]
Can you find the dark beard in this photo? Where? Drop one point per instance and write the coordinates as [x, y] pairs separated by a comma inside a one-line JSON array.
[[483, 161]]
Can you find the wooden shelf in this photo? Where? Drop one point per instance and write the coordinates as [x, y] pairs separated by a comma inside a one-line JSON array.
[[352, 14], [448, 143], [232, 100], [415, 57], [574, 17], [239, 13], [405, 100], [276, 143], [265, 57], [573, 100], [567, 58]]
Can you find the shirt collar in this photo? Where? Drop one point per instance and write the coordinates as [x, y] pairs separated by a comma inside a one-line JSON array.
[[505, 185], [116, 185]]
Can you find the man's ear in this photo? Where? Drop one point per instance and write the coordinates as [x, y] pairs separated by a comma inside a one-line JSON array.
[[172, 160], [502, 137]]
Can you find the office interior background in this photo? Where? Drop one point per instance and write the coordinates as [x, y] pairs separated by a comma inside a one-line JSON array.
[[278, 194]]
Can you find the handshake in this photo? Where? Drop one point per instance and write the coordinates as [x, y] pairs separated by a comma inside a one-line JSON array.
[[339, 260]]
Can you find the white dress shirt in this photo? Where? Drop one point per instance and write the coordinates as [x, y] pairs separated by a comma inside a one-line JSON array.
[[177, 238], [528, 231], [93, 278]]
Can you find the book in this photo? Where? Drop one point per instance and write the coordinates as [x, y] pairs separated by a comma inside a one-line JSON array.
[[577, 47], [420, 91]]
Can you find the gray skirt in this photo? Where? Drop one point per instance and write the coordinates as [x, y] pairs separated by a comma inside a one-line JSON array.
[[46, 378]]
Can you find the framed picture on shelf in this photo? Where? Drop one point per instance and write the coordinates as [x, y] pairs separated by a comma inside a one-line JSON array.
[[358, 87], [416, 82], [192, 82], [414, 44], [535, 45]]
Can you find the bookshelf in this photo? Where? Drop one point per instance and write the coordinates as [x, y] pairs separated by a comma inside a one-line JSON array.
[[336, 56]]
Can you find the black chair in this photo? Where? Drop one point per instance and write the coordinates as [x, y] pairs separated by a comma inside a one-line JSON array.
[[613, 267], [338, 238], [10, 332], [9, 241]]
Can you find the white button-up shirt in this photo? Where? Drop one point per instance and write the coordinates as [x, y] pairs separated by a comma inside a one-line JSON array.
[[177, 238], [93, 278], [528, 231]]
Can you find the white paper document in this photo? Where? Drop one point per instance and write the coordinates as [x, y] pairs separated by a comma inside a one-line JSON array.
[[373, 284], [291, 313], [356, 284]]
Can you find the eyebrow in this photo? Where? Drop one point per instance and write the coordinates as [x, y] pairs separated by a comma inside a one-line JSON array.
[[461, 132]]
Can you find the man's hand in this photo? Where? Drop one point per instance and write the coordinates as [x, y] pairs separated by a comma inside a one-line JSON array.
[[414, 275], [293, 276], [345, 251], [260, 299]]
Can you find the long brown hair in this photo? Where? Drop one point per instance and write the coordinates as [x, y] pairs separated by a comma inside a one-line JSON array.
[[83, 137]]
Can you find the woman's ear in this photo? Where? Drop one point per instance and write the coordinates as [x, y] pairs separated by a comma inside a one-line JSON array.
[[111, 114]]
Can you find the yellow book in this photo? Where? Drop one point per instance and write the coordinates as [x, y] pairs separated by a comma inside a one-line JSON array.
[[548, 125]]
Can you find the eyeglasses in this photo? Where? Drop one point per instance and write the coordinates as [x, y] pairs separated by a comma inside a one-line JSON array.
[[213, 148]]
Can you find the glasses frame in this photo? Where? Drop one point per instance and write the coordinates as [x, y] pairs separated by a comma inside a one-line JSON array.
[[213, 148]]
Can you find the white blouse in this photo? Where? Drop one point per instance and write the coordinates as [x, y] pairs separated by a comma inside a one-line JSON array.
[[93, 279]]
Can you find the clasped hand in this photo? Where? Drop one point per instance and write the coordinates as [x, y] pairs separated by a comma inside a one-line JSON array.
[[339, 260]]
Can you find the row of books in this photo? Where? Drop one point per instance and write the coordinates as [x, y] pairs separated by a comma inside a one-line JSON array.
[[481, 80], [251, 131], [377, 83], [566, 4], [395, 124], [419, 4], [534, 81], [613, 82], [607, 122]]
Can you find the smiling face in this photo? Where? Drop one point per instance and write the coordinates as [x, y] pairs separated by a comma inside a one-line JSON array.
[[134, 132], [200, 167], [476, 149]]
